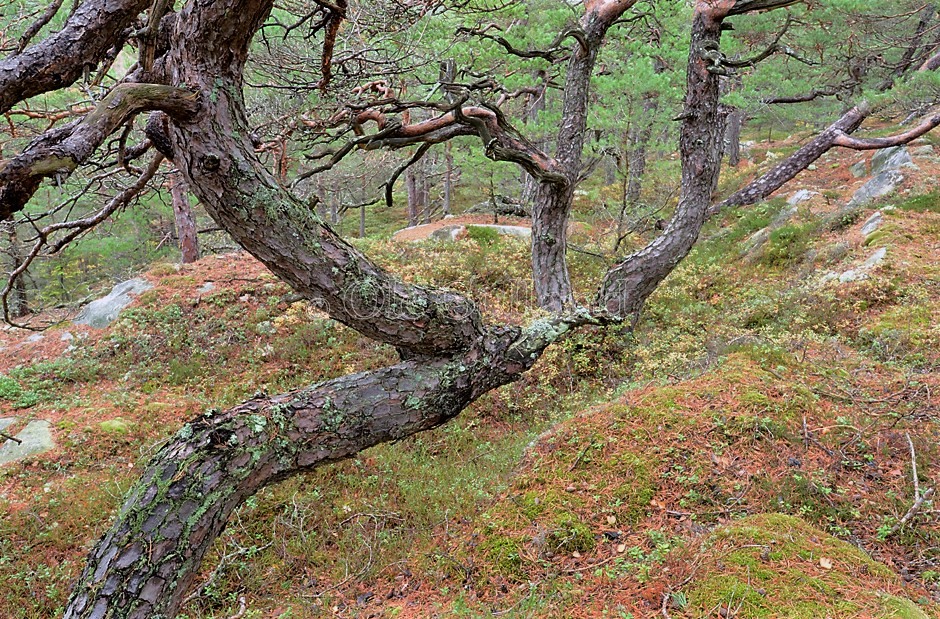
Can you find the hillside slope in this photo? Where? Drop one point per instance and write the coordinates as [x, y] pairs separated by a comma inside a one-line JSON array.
[[746, 452]]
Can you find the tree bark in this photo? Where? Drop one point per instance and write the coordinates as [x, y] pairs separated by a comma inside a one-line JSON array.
[[60, 59], [768, 183], [61, 150], [552, 206], [627, 285], [185, 221], [448, 181], [414, 196], [735, 121], [151, 554], [17, 302]]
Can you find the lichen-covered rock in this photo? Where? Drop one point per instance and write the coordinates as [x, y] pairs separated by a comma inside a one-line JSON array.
[[99, 314], [34, 439], [880, 185], [892, 158]]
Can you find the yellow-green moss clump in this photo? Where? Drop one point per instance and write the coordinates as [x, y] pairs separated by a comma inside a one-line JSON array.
[[504, 553], [773, 565]]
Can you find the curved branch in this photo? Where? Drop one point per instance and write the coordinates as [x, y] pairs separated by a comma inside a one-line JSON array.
[[75, 227], [390, 184], [63, 150], [847, 141], [94, 28], [144, 564]]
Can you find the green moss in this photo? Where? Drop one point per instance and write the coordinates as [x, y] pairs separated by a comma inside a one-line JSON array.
[[771, 565], [786, 245], [929, 202], [570, 535], [485, 237], [503, 552], [900, 608], [903, 333], [117, 425], [638, 488]]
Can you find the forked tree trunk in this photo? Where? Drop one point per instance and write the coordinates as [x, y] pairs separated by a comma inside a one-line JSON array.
[[142, 567]]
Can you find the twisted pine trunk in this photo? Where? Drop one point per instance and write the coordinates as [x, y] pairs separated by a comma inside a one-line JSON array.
[[144, 565]]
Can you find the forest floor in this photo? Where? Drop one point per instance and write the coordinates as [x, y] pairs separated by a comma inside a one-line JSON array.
[[748, 451]]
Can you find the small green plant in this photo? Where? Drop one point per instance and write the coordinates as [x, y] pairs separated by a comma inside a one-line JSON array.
[[928, 202], [484, 237], [786, 245]]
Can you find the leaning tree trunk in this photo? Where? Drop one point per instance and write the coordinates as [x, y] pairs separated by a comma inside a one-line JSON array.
[[142, 567], [773, 180]]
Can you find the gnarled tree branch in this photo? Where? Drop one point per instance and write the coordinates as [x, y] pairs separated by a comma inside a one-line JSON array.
[[62, 58], [60, 151]]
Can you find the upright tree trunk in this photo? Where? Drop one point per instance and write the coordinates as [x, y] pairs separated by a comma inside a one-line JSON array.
[[639, 139], [448, 180], [414, 196], [535, 103], [735, 120], [700, 145], [552, 207], [185, 220], [17, 302], [424, 191]]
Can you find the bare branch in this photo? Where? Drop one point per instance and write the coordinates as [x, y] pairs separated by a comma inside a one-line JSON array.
[[332, 24], [57, 61], [804, 98], [76, 228], [847, 141], [390, 184], [919, 498], [36, 26], [552, 54], [749, 6]]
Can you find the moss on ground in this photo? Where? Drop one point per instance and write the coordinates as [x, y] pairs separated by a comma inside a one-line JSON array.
[[774, 565]]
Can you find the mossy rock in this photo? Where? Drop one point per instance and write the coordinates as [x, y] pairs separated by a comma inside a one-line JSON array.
[[774, 565]]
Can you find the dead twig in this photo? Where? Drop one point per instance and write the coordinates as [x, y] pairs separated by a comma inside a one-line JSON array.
[[919, 498], [10, 438], [241, 608]]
